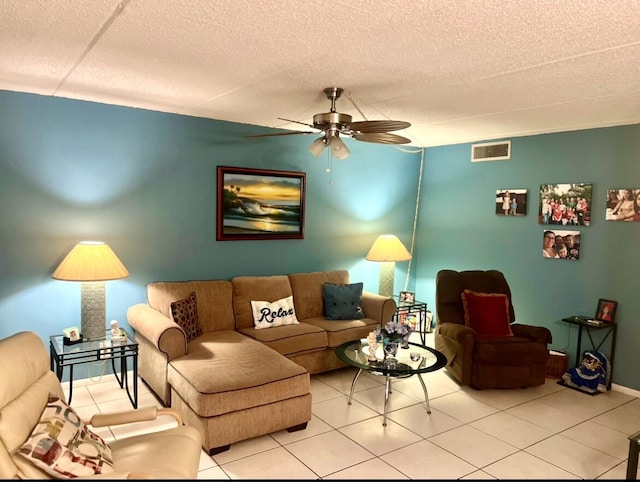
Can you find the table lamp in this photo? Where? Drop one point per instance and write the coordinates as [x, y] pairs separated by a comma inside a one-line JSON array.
[[92, 263], [387, 249]]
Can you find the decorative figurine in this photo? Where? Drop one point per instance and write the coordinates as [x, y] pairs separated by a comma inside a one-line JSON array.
[[373, 345]]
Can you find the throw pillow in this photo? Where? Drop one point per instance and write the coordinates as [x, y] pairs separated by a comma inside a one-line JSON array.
[[487, 313], [185, 314], [63, 446], [342, 301], [278, 313]]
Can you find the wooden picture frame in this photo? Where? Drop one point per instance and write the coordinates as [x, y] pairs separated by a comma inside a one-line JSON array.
[[606, 311], [259, 204]]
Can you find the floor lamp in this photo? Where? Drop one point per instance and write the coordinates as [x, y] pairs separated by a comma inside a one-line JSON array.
[[92, 263], [387, 249]]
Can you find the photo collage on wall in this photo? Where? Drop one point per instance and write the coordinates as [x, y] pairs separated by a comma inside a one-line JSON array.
[[561, 207], [564, 209]]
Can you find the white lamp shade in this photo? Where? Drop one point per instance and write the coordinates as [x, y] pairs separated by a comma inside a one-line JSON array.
[[339, 149], [388, 248], [91, 261]]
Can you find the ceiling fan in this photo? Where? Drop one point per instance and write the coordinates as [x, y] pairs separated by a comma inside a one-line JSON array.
[[333, 124]]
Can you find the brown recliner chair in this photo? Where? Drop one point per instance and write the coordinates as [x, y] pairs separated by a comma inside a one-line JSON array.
[[504, 362]]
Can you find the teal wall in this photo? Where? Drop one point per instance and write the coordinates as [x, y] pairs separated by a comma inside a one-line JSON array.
[[144, 182], [460, 230]]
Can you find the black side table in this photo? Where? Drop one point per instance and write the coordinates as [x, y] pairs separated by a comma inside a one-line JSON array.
[[62, 355], [583, 323], [417, 309]]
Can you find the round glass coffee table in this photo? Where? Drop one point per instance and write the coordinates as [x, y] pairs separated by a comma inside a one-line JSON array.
[[426, 359]]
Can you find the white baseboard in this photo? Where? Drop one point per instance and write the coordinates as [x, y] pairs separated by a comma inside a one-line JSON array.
[[628, 391]]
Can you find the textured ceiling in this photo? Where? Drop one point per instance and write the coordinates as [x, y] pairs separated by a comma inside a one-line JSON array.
[[457, 70]]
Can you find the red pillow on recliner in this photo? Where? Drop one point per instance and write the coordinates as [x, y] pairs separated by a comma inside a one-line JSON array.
[[487, 313]]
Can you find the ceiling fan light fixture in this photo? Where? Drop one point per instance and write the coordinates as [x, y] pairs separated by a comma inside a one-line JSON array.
[[317, 147], [339, 149]]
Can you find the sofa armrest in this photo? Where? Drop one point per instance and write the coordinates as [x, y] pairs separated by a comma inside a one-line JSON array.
[[537, 333], [162, 332], [378, 307], [460, 333]]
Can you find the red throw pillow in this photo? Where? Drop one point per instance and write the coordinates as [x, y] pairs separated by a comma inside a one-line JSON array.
[[487, 313]]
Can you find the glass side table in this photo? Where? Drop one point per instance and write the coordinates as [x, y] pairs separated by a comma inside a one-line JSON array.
[[414, 308], [101, 350]]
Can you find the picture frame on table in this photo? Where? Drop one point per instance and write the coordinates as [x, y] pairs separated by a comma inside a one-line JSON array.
[[606, 311], [407, 297], [255, 204]]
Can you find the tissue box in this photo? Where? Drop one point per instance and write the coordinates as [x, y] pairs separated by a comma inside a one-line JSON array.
[[557, 364]]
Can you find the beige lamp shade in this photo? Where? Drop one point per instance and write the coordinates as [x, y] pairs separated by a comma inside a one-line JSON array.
[[91, 261], [387, 249]]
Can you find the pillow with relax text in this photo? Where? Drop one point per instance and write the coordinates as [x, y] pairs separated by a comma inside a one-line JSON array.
[[278, 313], [487, 313], [185, 314], [63, 446], [342, 301]]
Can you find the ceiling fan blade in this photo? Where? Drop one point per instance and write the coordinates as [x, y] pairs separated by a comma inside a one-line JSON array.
[[376, 126], [381, 138], [292, 133]]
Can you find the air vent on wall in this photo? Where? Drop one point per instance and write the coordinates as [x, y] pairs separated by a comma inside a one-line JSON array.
[[491, 151]]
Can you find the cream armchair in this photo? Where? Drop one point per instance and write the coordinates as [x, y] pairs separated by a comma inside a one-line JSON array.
[[29, 390]]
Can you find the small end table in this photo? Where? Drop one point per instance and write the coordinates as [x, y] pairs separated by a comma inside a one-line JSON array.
[[417, 308], [62, 355]]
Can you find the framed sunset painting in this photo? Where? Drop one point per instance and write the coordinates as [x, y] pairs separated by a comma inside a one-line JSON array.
[[259, 204]]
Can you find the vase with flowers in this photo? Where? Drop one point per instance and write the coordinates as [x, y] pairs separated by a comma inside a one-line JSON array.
[[395, 333]]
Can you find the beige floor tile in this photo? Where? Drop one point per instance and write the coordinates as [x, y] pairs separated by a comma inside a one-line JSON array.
[[246, 448], [522, 465], [329, 452], [337, 413], [600, 437], [424, 460], [511, 429], [378, 439], [276, 463], [552, 418], [460, 405], [574, 457], [315, 426], [374, 399], [416, 419], [213, 473], [619, 419], [374, 469], [473, 445]]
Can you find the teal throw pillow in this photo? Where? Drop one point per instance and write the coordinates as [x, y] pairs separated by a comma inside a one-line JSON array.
[[342, 301]]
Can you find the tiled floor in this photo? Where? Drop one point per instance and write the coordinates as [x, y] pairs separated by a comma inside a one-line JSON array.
[[545, 432]]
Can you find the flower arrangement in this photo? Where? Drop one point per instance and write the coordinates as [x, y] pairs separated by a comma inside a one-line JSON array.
[[394, 331]]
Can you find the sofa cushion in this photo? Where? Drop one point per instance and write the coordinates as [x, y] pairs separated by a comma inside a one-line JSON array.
[[248, 288], [487, 313], [185, 313], [306, 289], [279, 313], [342, 301], [63, 446], [226, 371], [341, 331], [290, 339]]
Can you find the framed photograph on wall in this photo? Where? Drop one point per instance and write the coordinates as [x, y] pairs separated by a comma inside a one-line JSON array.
[[259, 204], [623, 205], [561, 244], [565, 204], [511, 202], [606, 310]]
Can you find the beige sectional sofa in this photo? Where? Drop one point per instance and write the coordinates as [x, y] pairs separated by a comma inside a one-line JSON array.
[[235, 382]]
